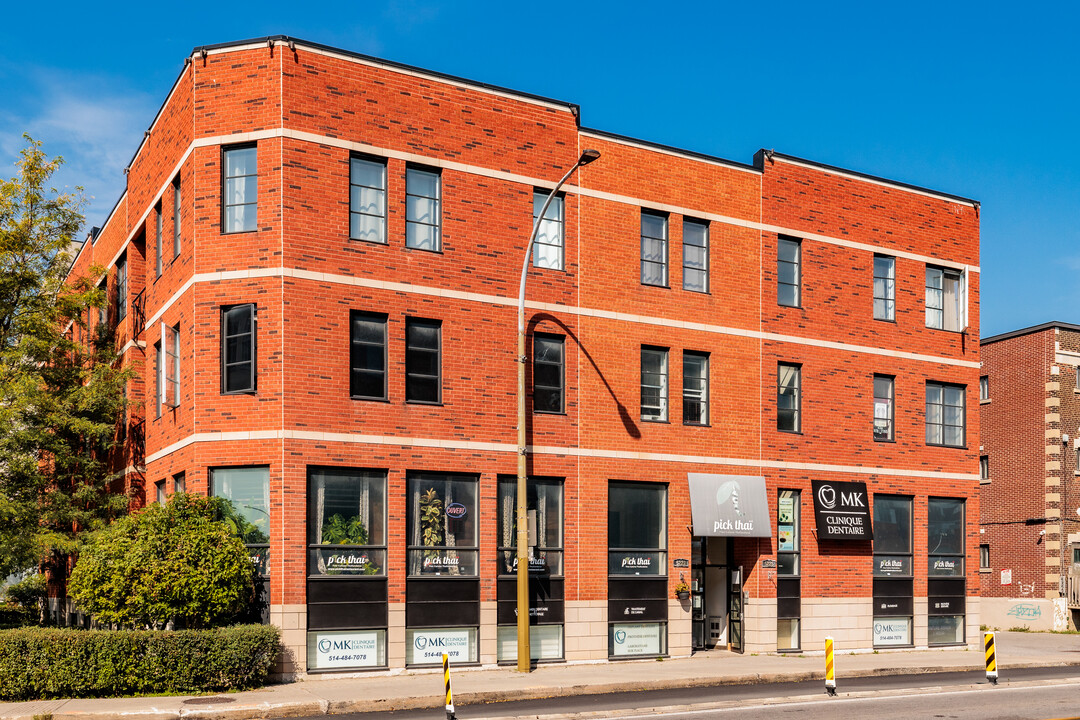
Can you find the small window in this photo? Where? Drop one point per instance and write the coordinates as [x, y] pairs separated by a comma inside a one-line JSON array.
[[695, 388], [422, 213], [240, 194], [984, 388], [121, 289], [103, 309], [548, 248], [176, 225], [984, 468], [884, 287], [238, 349], [367, 374], [367, 200], [423, 346], [946, 302], [169, 369], [157, 240], [788, 272], [984, 556], [159, 492], [654, 384], [654, 252], [944, 414], [179, 483], [788, 397], [158, 364], [695, 256], [548, 373], [883, 407]]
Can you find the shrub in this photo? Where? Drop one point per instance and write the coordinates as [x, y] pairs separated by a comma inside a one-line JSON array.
[[53, 662], [178, 561]]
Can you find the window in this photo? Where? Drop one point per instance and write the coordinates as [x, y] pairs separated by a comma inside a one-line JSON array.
[[984, 468], [157, 240], [103, 309], [984, 556], [944, 414], [654, 249], [169, 368], [548, 373], [423, 344], [788, 273], [695, 388], [247, 492], [346, 522], [240, 195], [883, 407], [946, 299], [946, 587], [159, 492], [367, 356], [695, 256], [367, 200], [893, 582], [884, 287], [548, 248], [422, 213], [238, 349], [637, 529], [179, 483], [788, 397], [157, 378], [654, 384], [121, 290], [176, 217], [789, 609], [984, 388], [442, 525]]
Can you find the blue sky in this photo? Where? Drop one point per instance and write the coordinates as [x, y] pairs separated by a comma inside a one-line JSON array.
[[974, 99]]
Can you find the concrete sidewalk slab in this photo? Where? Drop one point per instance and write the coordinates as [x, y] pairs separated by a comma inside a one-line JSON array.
[[397, 690]]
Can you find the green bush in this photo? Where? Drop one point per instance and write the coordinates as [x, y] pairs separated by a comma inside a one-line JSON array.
[[40, 663], [12, 617]]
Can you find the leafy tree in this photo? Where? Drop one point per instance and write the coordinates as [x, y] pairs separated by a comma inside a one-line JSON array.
[[60, 391], [179, 561]]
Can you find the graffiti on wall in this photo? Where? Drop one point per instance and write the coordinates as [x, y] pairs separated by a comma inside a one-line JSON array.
[[1025, 611]]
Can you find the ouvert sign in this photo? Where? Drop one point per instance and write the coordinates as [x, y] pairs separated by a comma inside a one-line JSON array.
[[842, 510]]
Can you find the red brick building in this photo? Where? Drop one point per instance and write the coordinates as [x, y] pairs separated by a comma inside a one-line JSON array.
[[316, 268], [1029, 531]]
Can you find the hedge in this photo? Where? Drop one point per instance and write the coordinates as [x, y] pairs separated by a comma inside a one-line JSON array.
[[38, 663]]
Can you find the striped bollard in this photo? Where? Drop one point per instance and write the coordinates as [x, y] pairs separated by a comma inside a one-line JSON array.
[[991, 658], [446, 681], [830, 670]]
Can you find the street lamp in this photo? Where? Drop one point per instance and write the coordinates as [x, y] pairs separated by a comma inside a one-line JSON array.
[[524, 661]]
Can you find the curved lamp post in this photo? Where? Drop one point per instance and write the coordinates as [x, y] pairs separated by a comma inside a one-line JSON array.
[[524, 661]]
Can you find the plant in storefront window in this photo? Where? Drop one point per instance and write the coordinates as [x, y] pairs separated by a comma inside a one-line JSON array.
[[339, 531], [431, 523]]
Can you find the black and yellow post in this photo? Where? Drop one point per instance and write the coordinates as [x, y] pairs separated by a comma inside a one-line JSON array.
[[446, 681], [830, 670], [991, 658]]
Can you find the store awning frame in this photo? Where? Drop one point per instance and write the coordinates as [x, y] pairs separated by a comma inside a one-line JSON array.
[[729, 505]]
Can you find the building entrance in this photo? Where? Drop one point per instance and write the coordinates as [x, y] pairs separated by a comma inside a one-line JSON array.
[[709, 592]]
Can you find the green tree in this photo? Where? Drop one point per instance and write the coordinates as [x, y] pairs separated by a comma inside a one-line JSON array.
[[61, 393], [178, 561]]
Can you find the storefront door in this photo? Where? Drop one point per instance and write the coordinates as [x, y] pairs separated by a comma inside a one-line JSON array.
[[735, 612], [709, 592]]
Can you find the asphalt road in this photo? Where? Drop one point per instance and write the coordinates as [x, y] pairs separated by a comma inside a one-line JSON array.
[[1041, 693]]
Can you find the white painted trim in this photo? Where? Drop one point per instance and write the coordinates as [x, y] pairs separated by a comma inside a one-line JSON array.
[[874, 181], [673, 152], [411, 72], [141, 344], [354, 439]]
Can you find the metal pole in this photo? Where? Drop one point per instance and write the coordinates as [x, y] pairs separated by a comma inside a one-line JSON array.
[[524, 659]]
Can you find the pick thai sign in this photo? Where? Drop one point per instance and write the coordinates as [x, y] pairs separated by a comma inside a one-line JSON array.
[[842, 510]]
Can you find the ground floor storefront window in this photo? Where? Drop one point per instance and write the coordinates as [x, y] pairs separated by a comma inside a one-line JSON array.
[[893, 581], [247, 493], [788, 590], [637, 569], [946, 586]]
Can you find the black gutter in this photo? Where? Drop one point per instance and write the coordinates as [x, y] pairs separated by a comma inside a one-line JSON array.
[[671, 149], [1029, 331], [758, 159]]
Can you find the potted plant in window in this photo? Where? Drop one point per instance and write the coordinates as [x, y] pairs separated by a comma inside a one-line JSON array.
[[682, 590]]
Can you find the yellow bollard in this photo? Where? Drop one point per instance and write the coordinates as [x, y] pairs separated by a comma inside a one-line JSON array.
[[991, 658], [830, 670], [446, 680]]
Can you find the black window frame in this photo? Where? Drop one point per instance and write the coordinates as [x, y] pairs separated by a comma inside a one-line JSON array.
[[158, 230], [410, 323], [796, 264], [664, 388], [890, 436], [664, 241], [225, 150], [121, 288], [354, 354], [705, 389], [984, 468], [252, 385], [177, 212], [559, 340], [984, 554], [984, 388], [688, 270], [437, 243], [888, 298], [963, 414], [372, 160], [558, 201], [796, 412]]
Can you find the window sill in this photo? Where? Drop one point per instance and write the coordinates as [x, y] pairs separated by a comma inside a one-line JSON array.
[[697, 292], [890, 440], [987, 400], [239, 232], [656, 285], [985, 571], [984, 481], [370, 399], [696, 424], [658, 421], [437, 251], [952, 447], [561, 413], [793, 307], [947, 330], [552, 269], [384, 243], [790, 432], [239, 392], [888, 320], [429, 403]]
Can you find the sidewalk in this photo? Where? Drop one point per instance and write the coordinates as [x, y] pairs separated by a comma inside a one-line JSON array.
[[423, 689]]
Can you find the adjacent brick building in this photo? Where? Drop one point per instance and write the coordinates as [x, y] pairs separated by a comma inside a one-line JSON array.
[[318, 256], [1029, 531]]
